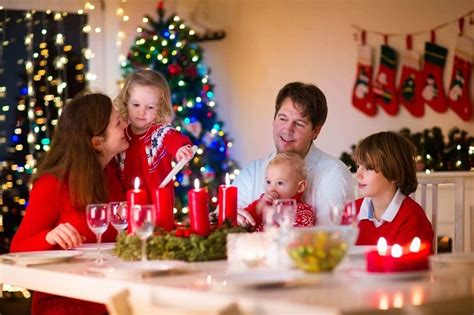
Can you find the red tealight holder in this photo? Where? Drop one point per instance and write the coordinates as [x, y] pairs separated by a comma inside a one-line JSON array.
[[398, 259]]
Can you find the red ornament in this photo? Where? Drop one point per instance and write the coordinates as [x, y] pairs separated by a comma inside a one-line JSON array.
[[160, 5], [191, 71], [174, 69]]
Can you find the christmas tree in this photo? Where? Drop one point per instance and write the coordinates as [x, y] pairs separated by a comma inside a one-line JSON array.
[[46, 71], [169, 46]]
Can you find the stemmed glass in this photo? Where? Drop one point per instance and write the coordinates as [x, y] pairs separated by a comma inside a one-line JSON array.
[[281, 219], [98, 218], [343, 212], [143, 222], [285, 212], [119, 215]]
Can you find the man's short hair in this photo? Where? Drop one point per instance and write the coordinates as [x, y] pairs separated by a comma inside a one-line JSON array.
[[293, 160], [308, 98]]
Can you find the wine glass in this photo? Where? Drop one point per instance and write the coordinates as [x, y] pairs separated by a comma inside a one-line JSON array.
[[98, 219], [343, 212], [119, 215], [285, 212], [143, 222]]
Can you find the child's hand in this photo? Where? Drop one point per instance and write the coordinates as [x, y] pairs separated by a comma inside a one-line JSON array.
[[185, 152], [266, 200]]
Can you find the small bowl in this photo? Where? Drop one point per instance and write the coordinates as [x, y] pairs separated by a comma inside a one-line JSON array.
[[320, 248]]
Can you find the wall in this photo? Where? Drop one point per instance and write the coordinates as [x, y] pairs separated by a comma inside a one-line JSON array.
[[272, 42]]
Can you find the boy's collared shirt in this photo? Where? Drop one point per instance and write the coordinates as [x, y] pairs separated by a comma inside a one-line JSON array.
[[367, 209]]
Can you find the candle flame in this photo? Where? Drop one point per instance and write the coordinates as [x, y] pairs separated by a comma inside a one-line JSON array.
[[382, 246], [415, 245], [227, 179], [136, 183], [396, 251], [196, 183]]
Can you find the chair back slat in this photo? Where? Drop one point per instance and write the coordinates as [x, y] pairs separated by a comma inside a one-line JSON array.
[[458, 208]]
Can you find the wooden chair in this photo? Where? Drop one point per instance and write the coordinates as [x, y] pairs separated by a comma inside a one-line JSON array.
[[120, 304], [458, 242]]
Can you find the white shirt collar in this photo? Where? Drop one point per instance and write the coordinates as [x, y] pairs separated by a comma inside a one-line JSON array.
[[366, 208]]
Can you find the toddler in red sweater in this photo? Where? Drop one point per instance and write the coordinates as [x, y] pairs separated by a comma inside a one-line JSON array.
[[386, 177], [285, 178], [145, 101]]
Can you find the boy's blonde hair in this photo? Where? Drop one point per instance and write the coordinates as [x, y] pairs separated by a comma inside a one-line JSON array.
[[393, 156], [293, 160], [147, 77]]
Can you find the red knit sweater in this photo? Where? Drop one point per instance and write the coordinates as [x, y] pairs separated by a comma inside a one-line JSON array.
[[409, 222], [48, 206], [149, 157]]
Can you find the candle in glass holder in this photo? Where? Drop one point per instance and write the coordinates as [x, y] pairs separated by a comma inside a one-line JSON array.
[[163, 198], [227, 202], [135, 196], [397, 258], [198, 204]]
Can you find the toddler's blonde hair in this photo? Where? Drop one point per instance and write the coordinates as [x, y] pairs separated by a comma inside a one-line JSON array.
[[147, 77], [293, 160]]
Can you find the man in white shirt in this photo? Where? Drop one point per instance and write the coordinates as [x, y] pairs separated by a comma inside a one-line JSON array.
[[300, 113]]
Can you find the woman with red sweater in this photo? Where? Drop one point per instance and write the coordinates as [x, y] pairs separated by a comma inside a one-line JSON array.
[[75, 172], [387, 176]]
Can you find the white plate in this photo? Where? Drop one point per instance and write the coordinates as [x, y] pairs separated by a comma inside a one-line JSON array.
[[384, 276], [93, 246], [359, 251], [134, 269], [41, 257], [257, 279]]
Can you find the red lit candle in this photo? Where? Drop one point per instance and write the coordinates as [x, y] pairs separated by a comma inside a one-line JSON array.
[[135, 196], [399, 259], [198, 203], [163, 198], [227, 202]]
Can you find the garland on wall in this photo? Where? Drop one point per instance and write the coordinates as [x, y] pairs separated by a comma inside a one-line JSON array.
[[420, 85], [433, 151]]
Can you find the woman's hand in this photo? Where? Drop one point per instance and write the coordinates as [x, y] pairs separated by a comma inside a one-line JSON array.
[[185, 152], [65, 235]]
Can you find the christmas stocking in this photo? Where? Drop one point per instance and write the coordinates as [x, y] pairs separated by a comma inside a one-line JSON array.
[[361, 94], [384, 83], [459, 93], [429, 88], [410, 61]]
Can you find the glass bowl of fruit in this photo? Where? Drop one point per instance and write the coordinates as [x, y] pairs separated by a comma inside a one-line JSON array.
[[320, 248]]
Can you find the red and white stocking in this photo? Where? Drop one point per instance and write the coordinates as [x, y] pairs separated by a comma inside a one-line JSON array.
[[459, 93], [361, 94], [383, 87], [410, 63], [429, 88]]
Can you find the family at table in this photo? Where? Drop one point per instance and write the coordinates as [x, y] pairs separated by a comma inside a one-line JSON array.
[[100, 147]]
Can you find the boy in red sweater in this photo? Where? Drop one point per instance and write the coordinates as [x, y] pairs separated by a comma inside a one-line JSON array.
[[285, 178], [386, 177]]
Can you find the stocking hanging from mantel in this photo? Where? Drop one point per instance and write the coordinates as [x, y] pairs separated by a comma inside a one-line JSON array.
[[361, 94], [430, 89], [459, 88], [383, 88], [410, 65]]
